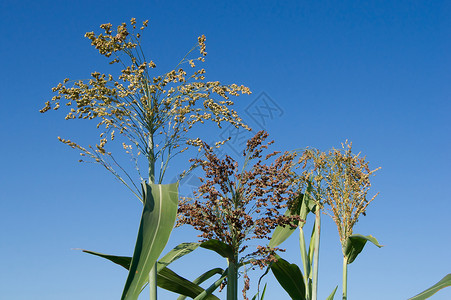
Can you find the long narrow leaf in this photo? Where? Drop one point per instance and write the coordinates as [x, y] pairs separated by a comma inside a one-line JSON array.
[[157, 221], [170, 281], [311, 250], [176, 253], [446, 281], [258, 294], [219, 247], [281, 233], [171, 256], [212, 287], [290, 278], [355, 244], [123, 261], [205, 276], [166, 278], [263, 294], [332, 295]]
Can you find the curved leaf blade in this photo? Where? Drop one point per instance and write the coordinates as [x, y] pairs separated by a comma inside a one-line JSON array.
[[124, 261], [332, 295], [176, 253], [157, 220], [171, 281], [258, 294], [166, 278], [171, 256], [290, 278], [355, 244], [219, 247], [205, 276], [303, 205], [212, 287], [445, 282], [281, 233]]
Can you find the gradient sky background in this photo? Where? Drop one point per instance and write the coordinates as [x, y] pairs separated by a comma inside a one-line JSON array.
[[376, 73]]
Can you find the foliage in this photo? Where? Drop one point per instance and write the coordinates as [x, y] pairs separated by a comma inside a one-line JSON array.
[[340, 181], [168, 279], [444, 282], [309, 255], [288, 276], [233, 206], [151, 115], [157, 220]]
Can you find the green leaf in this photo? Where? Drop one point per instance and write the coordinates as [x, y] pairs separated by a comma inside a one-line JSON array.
[[176, 253], [309, 204], [311, 250], [281, 233], [173, 282], [332, 295], [157, 220], [171, 256], [355, 243], [205, 276], [219, 247], [212, 287], [446, 281], [166, 278], [123, 261], [263, 294], [290, 278]]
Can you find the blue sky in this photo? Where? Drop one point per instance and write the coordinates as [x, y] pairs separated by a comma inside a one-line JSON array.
[[376, 73]]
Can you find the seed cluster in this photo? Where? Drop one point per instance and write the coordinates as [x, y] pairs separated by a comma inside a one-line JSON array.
[[235, 206], [340, 182], [152, 112]]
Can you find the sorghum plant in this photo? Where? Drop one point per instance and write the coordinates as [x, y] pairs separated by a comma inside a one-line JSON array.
[[152, 112], [341, 180], [149, 114], [234, 205]]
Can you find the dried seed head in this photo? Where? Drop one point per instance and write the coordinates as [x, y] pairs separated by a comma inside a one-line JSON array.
[[235, 206], [340, 180], [153, 113]]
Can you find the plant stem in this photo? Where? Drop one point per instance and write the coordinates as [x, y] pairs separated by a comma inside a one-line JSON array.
[[305, 262], [345, 278], [153, 271], [212, 287], [232, 279], [316, 253], [153, 283]]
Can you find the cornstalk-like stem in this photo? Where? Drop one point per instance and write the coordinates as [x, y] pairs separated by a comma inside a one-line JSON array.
[[345, 278], [153, 283], [212, 287], [232, 279], [305, 262], [316, 254], [153, 271]]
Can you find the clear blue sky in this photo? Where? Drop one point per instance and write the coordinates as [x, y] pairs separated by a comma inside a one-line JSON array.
[[376, 73]]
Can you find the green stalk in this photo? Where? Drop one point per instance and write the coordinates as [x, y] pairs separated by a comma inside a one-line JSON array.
[[305, 262], [212, 287], [316, 253], [153, 271], [153, 283], [232, 279], [345, 278]]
